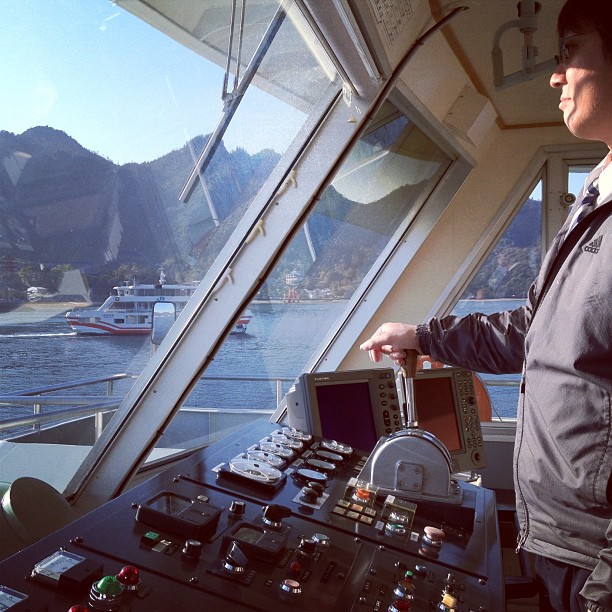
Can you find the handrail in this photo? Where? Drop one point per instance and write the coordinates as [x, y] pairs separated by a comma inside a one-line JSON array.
[[72, 413], [87, 405], [58, 415], [72, 385], [48, 400], [92, 381]]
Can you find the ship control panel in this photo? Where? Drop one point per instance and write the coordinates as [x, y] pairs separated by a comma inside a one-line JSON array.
[[269, 518]]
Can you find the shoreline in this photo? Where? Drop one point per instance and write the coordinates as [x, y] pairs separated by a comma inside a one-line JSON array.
[[304, 301]]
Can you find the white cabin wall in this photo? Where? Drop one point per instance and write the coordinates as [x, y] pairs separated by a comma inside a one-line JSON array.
[[435, 76]]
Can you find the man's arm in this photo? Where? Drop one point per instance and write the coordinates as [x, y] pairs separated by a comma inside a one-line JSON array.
[[485, 343]]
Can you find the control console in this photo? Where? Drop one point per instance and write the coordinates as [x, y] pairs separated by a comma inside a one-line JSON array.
[[267, 519]]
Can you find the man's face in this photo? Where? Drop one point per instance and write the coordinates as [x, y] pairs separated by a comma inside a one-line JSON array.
[[584, 77]]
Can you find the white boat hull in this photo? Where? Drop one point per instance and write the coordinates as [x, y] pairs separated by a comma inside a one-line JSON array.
[[129, 310], [96, 326], [102, 328]]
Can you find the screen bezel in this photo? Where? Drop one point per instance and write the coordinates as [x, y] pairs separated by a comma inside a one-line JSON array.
[[315, 412], [463, 458], [447, 374]]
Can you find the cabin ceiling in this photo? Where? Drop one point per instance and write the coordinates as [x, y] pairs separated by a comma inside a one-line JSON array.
[[471, 35], [203, 25]]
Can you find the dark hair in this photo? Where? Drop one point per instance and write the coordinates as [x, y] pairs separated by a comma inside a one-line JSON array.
[[586, 15]]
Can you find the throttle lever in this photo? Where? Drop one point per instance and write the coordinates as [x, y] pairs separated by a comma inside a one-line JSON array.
[[406, 377]]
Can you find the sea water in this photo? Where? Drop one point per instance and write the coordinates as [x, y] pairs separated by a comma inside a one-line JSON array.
[[37, 349]]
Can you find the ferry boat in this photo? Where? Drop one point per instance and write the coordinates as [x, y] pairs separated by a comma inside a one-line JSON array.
[[128, 310]]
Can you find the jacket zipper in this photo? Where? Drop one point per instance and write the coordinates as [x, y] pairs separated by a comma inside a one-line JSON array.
[[525, 530]]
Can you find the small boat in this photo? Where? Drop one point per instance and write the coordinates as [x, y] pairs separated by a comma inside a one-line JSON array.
[[129, 309]]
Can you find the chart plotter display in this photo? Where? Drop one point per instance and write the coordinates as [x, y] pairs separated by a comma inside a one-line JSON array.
[[433, 398]]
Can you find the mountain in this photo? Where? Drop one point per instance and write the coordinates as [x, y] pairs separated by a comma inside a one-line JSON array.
[[63, 206]]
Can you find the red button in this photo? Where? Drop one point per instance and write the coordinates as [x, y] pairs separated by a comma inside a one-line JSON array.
[[362, 494], [129, 577]]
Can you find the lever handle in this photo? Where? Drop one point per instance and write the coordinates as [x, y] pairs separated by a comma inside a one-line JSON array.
[[275, 513], [408, 375], [410, 367]]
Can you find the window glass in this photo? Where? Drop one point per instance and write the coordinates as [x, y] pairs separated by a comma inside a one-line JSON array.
[[102, 119], [577, 174], [385, 176], [503, 280], [502, 283]]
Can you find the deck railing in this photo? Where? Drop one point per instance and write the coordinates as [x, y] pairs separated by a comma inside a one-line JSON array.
[[96, 406], [79, 406]]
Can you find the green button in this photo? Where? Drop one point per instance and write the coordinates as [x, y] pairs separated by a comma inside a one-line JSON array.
[[109, 586]]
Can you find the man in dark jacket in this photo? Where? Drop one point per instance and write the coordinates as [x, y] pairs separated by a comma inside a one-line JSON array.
[[562, 342]]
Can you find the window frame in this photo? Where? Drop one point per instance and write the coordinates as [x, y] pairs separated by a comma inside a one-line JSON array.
[[550, 164], [236, 275]]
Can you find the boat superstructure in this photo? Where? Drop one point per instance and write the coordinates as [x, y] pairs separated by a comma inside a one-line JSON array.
[[366, 161]]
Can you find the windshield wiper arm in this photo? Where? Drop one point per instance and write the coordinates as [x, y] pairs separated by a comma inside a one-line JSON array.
[[231, 103]]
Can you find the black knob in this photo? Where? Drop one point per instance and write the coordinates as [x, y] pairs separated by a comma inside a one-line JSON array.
[[420, 570], [274, 514], [307, 547], [192, 549], [316, 486], [238, 508], [309, 495]]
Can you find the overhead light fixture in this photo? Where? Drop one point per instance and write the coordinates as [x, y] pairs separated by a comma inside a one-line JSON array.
[[527, 23]]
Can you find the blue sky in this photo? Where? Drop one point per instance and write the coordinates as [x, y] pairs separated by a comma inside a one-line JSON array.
[[115, 84], [118, 86]]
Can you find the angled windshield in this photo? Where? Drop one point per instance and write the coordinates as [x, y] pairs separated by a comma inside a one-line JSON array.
[[105, 115], [382, 183], [136, 145]]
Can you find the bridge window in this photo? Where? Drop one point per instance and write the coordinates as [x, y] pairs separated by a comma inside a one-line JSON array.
[[387, 174], [504, 278], [502, 283], [103, 118]]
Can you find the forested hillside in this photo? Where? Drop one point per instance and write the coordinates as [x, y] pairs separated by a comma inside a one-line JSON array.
[[64, 207]]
